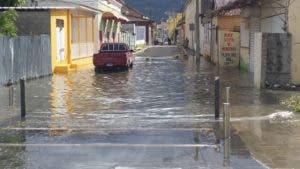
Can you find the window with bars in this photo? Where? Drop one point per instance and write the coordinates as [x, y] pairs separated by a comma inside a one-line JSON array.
[[82, 30], [109, 47], [89, 24], [75, 28]]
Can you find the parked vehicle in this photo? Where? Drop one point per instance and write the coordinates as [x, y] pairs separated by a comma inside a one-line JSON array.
[[158, 41], [114, 55]]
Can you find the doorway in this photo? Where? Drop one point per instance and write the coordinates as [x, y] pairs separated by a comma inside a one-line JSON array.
[[60, 40]]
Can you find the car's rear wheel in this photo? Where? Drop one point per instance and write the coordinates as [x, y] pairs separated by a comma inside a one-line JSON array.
[[98, 69], [126, 68]]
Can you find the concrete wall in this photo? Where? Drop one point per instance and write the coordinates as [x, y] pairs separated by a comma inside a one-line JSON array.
[[190, 12], [273, 59], [278, 47], [269, 18], [202, 39], [250, 24], [245, 46], [228, 48], [294, 25], [228, 23], [206, 40], [97, 24], [33, 22], [259, 74], [140, 35]]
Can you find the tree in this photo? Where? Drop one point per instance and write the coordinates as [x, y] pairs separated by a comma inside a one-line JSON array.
[[8, 22], [8, 18], [12, 2]]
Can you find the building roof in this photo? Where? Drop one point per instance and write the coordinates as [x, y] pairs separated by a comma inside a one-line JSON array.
[[35, 7], [134, 15], [89, 3], [52, 4], [135, 19]]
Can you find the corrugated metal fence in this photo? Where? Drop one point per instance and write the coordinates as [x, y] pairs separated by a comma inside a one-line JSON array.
[[24, 57]]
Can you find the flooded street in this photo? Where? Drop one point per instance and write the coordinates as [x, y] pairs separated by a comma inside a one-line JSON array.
[[160, 114]]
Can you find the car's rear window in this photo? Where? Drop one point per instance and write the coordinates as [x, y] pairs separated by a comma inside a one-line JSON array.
[[104, 47], [110, 47], [113, 47], [122, 47]]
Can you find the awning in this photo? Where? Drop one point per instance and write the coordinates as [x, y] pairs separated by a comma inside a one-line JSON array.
[[114, 15], [138, 19]]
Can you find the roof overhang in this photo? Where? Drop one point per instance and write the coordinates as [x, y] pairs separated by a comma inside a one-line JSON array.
[[91, 10], [35, 8], [139, 20], [56, 5], [115, 16], [77, 7]]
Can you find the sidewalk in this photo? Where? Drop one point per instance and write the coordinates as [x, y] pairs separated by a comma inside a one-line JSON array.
[[187, 51], [270, 131]]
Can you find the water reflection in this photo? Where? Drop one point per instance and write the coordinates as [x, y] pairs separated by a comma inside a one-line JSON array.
[[12, 157], [11, 96], [61, 105], [227, 152], [271, 142], [196, 135]]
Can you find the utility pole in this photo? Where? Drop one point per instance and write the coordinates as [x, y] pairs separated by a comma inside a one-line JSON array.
[[197, 22]]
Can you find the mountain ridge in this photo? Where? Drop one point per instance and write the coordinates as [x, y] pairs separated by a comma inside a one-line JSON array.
[[157, 10]]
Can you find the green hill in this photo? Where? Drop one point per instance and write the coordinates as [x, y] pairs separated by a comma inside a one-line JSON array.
[[156, 9]]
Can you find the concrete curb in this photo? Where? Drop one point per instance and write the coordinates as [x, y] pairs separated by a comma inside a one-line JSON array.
[[187, 52], [142, 50], [184, 50]]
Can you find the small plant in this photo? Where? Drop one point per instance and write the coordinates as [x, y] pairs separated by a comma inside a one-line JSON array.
[[9, 17], [12, 2], [292, 103], [8, 23]]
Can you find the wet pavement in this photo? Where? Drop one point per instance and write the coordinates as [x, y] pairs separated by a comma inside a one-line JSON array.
[[160, 114]]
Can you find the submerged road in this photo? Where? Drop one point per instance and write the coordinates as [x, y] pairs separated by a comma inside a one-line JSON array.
[[158, 115]]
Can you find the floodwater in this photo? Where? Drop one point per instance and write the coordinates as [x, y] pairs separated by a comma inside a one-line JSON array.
[[160, 114]]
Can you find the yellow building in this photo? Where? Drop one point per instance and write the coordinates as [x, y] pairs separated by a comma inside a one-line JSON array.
[[71, 28], [72, 38], [173, 22], [171, 26], [76, 29], [85, 29]]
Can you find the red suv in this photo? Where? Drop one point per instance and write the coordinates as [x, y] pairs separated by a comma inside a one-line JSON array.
[[114, 55]]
